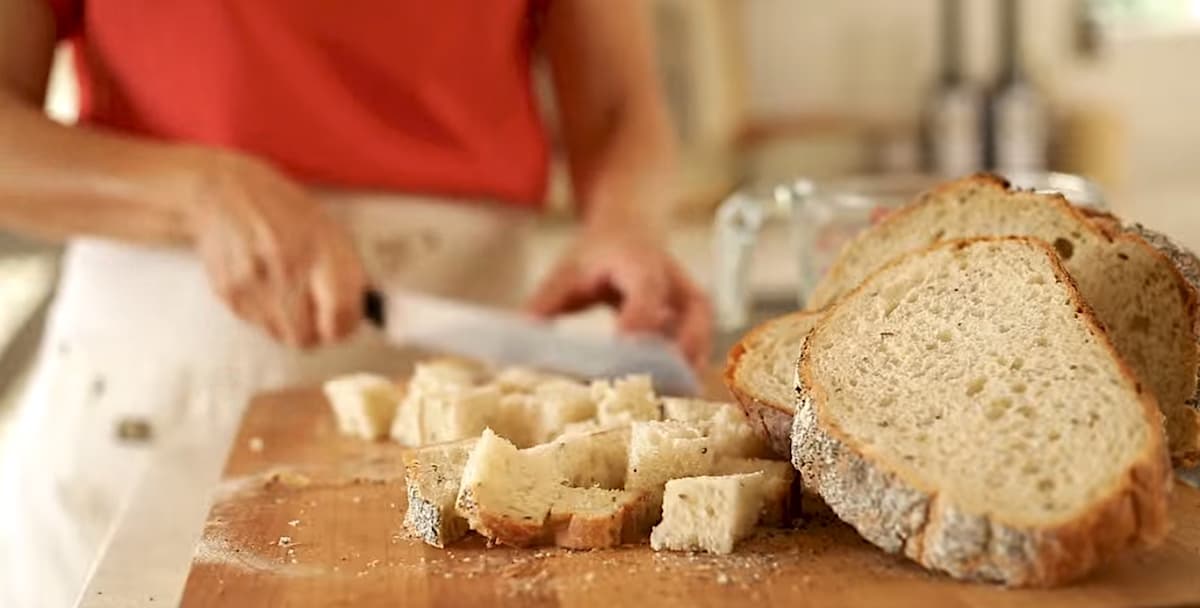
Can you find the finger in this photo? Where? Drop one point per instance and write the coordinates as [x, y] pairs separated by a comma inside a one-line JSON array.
[[301, 315], [694, 332], [563, 291], [645, 304], [336, 286]]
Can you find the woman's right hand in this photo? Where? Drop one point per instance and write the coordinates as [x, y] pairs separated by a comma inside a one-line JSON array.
[[272, 253]]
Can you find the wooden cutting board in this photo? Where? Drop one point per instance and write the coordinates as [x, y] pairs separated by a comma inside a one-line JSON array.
[[305, 517]]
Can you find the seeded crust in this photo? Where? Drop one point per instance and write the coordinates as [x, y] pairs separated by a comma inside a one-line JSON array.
[[1188, 268], [772, 420], [900, 516]]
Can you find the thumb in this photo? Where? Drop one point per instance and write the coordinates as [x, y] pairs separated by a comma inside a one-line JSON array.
[[644, 302], [554, 295]]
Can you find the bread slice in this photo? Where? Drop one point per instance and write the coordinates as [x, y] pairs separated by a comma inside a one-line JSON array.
[[1137, 283], [963, 407], [709, 513], [759, 371], [432, 476], [363, 404], [518, 498], [728, 428]]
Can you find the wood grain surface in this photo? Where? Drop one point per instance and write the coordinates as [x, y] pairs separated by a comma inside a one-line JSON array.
[[304, 517]]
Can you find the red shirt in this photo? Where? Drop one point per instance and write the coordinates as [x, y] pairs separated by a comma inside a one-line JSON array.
[[409, 95]]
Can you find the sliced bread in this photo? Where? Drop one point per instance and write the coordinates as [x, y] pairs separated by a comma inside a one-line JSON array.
[[518, 498], [363, 404], [963, 407], [1137, 283], [759, 371], [709, 513]]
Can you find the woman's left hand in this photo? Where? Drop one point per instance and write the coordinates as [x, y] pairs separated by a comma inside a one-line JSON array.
[[651, 292]]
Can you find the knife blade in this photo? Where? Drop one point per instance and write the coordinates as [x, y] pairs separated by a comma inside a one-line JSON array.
[[503, 338]]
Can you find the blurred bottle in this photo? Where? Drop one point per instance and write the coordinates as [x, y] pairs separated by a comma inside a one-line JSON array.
[[953, 116], [1018, 114]]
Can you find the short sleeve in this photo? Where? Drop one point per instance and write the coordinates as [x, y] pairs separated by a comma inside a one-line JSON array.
[[68, 17]]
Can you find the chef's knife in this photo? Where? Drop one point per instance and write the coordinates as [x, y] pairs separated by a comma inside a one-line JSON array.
[[504, 338]]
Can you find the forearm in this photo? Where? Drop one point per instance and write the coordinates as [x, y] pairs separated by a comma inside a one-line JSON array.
[[629, 181], [58, 181]]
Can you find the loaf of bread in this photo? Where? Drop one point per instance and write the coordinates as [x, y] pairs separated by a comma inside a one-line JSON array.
[[1142, 288], [963, 407]]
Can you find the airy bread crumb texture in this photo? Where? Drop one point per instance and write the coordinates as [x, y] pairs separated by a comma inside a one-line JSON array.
[[709, 513], [972, 372], [1135, 280]]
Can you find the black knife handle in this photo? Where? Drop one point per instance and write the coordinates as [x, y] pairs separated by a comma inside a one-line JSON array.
[[374, 308]]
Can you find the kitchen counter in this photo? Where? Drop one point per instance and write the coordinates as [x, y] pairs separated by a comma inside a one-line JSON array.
[[146, 558]]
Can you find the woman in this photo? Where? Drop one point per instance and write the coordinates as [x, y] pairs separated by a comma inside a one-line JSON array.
[[200, 195]]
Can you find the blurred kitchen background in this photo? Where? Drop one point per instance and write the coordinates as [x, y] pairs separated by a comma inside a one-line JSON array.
[[765, 91]]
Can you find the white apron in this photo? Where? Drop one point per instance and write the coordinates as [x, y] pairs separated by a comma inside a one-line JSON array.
[[138, 350]]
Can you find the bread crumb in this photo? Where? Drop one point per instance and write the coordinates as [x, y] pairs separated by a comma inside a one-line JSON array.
[[356, 499], [256, 444], [284, 541], [286, 479], [294, 523], [722, 578]]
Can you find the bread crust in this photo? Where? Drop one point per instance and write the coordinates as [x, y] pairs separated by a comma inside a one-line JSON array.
[[566, 530], [822, 292], [773, 421], [435, 524], [901, 516]]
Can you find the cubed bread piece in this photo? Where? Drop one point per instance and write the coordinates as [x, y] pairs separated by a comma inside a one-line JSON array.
[[363, 404], [591, 459], [663, 450], [517, 498], [517, 379], [463, 414], [778, 477], [432, 475], [559, 403], [624, 400], [431, 390], [709, 513], [591, 518], [726, 425]]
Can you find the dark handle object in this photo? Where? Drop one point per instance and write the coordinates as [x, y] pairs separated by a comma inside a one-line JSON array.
[[374, 308]]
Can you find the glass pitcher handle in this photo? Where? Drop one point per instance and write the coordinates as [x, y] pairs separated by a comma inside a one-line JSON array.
[[739, 221]]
